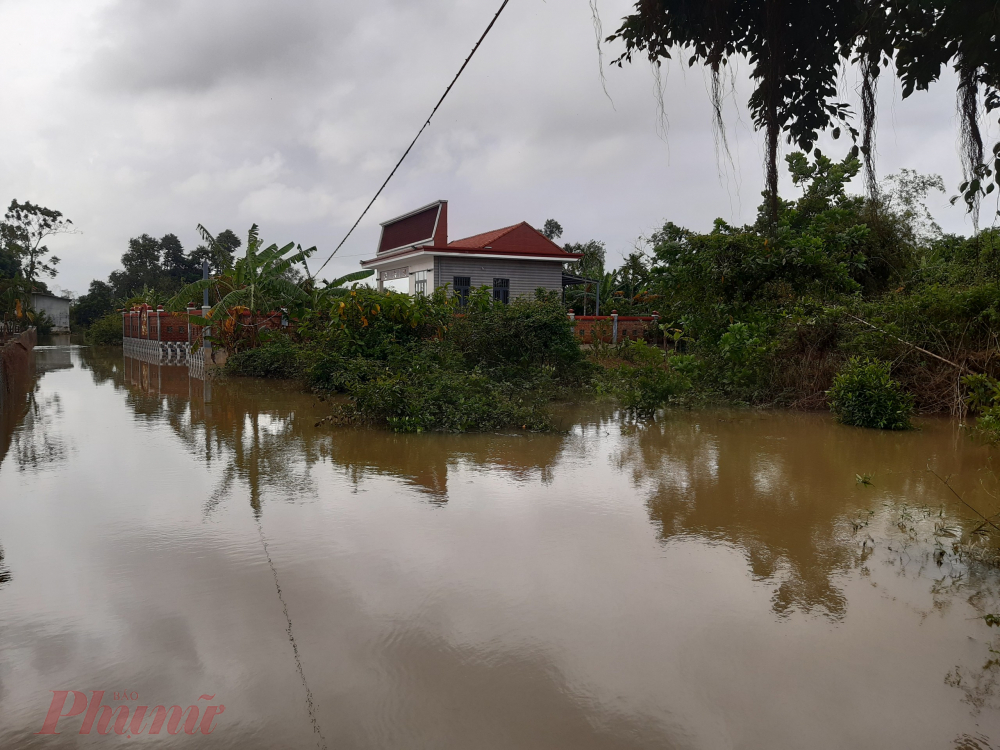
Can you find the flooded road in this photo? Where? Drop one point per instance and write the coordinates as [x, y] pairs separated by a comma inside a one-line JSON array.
[[713, 580]]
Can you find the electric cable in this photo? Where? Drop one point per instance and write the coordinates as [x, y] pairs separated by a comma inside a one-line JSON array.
[[419, 133]]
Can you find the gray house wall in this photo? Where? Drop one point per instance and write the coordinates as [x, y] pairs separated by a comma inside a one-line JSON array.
[[525, 275], [56, 308]]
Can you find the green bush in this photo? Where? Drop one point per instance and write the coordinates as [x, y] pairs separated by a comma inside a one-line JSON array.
[[418, 364], [436, 398], [647, 381], [644, 389], [514, 340], [983, 398], [276, 358], [865, 395], [640, 353], [988, 423], [106, 331]]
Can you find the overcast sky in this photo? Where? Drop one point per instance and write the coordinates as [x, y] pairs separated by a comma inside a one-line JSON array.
[[135, 116]]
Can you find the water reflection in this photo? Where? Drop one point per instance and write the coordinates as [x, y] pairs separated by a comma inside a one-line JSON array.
[[52, 359], [27, 420], [691, 583], [785, 492], [267, 435], [4, 570], [14, 393]]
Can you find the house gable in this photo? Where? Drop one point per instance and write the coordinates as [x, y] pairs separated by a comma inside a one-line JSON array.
[[425, 226]]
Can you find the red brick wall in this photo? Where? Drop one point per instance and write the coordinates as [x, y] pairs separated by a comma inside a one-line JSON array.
[[15, 357], [174, 326], [588, 327]]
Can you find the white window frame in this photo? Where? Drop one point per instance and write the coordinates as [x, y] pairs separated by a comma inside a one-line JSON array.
[[420, 284]]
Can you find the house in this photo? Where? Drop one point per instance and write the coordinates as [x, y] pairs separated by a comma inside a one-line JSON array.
[[513, 261], [56, 308]]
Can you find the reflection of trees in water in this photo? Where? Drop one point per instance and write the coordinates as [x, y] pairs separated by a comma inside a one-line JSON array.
[[266, 436], [253, 433], [4, 570], [973, 742], [35, 445], [424, 461], [104, 365], [782, 490], [26, 419]]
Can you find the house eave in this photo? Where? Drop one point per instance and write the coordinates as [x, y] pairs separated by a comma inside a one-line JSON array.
[[466, 253]]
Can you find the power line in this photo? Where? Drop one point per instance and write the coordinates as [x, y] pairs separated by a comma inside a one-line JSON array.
[[419, 133]]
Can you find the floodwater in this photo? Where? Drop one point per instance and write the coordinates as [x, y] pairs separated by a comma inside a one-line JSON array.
[[711, 580]]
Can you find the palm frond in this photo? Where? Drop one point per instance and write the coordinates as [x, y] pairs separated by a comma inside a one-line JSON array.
[[351, 277], [206, 235]]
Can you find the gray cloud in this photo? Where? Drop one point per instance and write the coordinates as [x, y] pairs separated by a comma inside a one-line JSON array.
[[193, 46], [154, 115]]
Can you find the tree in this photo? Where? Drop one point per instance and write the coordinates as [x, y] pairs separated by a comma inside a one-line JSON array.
[[95, 304], [552, 229], [219, 251], [799, 48], [178, 266], [141, 267], [590, 266], [10, 266], [795, 48], [633, 275], [256, 284], [23, 231]]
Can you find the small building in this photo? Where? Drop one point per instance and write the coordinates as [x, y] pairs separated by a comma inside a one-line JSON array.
[[513, 261], [56, 308]]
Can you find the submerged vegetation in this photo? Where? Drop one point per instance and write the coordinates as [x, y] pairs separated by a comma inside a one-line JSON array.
[[415, 364], [865, 395]]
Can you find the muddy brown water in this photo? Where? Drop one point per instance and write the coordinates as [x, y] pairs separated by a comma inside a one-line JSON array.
[[712, 580]]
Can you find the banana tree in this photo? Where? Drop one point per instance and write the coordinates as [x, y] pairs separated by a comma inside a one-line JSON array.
[[314, 313], [257, 285], [15, 306], [322, 293]]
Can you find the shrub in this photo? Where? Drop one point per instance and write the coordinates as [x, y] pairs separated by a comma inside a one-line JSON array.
[[106, 331], [431, 391], [988, 423], [276, 358], [640, 353], [644, 389], [983, 398], [865, 395], [517, 338], [646, 382]]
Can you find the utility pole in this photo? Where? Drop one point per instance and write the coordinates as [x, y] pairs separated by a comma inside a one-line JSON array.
[[205, 308]]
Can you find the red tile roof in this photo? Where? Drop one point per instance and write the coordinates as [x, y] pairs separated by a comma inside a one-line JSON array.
[[519, 239], [484, 239]]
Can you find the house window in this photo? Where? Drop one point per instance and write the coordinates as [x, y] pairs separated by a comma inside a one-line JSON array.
[[462, 286], [501, 290], [420, 283]]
